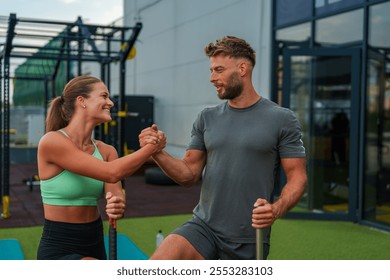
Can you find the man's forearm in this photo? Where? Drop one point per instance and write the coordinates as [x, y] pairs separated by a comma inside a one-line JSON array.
[[176, 169], [289, 197]]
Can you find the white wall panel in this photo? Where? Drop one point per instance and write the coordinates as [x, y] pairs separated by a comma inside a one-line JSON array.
[[171, 64]]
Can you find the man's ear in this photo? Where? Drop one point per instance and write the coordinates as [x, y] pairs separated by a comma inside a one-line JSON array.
[[243, 68]]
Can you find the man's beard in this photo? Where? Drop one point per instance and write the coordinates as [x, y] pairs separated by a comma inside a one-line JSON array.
[[233, 89]]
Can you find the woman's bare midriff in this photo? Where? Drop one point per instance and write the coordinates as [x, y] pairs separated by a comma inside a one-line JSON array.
[[71, 214]]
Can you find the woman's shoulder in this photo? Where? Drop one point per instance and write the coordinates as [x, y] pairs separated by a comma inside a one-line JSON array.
[[103, 145], [106, 150], [52, 143], [51, 137]]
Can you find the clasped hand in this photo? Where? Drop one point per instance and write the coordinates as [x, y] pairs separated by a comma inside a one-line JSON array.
[[151, 135]]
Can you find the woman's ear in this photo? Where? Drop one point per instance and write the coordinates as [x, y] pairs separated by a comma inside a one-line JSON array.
[[81, 101]]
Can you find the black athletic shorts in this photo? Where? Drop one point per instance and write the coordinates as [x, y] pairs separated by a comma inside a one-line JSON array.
[[213, 247], [68, 241]]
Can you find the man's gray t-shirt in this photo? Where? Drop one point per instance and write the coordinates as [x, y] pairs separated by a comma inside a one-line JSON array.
[[244, 147]]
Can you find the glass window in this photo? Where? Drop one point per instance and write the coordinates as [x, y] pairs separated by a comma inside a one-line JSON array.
[[288, 11], [379, 32], [340, 29], [296, 33], [331, 6]]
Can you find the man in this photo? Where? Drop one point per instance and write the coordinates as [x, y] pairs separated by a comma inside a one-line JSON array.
[[236, 147]]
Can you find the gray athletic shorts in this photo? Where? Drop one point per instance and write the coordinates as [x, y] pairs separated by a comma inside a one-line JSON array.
[[212, 247]]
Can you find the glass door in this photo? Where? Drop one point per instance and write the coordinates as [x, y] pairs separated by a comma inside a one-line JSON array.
[[376, 202], [322, 87]]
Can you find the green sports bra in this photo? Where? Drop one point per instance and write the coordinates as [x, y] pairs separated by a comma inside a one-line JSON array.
[[70, 189]]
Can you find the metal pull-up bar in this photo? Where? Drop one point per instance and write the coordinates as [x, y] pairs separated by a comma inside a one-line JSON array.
[[71, 36]]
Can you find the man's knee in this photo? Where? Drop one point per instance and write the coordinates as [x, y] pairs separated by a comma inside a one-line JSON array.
[[176, 247]]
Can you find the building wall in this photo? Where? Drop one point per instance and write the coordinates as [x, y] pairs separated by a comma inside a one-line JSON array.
[[171, 65]]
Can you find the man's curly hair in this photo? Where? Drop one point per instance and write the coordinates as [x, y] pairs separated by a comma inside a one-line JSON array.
[[232, 47]]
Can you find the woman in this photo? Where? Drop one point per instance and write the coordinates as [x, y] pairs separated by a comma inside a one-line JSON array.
[[76, 171]]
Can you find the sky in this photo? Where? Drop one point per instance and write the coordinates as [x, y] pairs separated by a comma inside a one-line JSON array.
[[101, 12], [91, 11]]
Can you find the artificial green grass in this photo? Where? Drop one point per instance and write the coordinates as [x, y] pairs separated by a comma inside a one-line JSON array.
[[290, 239], [325, 240]]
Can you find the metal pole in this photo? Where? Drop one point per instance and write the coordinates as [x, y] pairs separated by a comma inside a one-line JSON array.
[[259, 244], [112, 240]]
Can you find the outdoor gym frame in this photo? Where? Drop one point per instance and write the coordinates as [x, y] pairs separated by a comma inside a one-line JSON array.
[[80, 42]]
